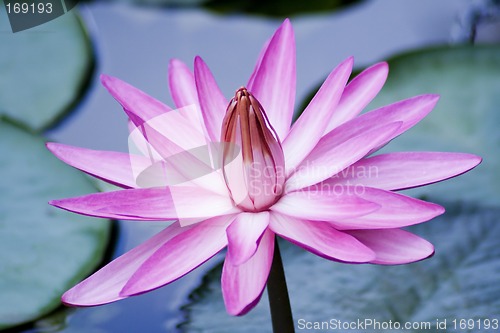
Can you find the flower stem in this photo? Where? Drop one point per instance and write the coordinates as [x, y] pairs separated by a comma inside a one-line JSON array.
[[281, 312]]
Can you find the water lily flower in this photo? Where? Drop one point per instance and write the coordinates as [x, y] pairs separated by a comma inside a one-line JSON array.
[[315, 183]]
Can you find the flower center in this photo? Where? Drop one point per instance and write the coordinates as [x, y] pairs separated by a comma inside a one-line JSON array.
[[255, 177]]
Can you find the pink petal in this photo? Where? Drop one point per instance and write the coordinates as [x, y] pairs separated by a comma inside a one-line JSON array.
[[179, 256], [161, 127], [184, 155], [330, 155], [273, 82], [409, 112], [212, 101], [182, 84], [137, 143], [394, 246], [242, 285], [139, 106], [112, 167], [319, 205], [396, 210], [244, 235], [181, 153], [309, 128], [403, 170], [321, 238], [358, 94], [104, 285], [150, 204], [183, 128]]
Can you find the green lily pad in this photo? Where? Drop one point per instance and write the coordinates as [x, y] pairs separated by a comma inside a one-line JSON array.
[[45, 70], [459, 282], [466, 119], [43, 250]]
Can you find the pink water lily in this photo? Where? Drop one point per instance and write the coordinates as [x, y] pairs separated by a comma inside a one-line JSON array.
[[316, 184]]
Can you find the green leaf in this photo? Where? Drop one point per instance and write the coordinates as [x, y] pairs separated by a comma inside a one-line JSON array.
[[460, 281], [43, 250], [44, 70]]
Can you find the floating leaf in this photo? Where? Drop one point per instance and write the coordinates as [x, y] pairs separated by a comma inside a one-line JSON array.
[[43, 250], [44, 70], [459, 282]]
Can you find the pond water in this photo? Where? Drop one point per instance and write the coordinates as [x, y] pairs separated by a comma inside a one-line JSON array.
[[135, 44]]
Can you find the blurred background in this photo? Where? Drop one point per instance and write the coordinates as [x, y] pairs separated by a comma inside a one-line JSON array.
[[50, 91]]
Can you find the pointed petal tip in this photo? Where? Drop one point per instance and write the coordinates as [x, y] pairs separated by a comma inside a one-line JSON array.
[[51, 146], [383, 65], [423, 99], [432, 210], [110, 82], [198, 60], [432, 98], [286, 29], [57, 148], [348, 63], [426, 253], [394, 246], [63, 204], [438, 210], [71, 298], [174, 62], [66, 299], [381, 69], [54, 203], [475, 160], [59, 203], [105, 79], [238, 312]]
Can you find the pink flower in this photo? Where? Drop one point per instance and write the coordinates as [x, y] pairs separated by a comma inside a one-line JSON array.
[[314, 183]]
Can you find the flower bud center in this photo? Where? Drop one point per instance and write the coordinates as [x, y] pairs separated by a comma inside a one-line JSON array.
[[255, 177]]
